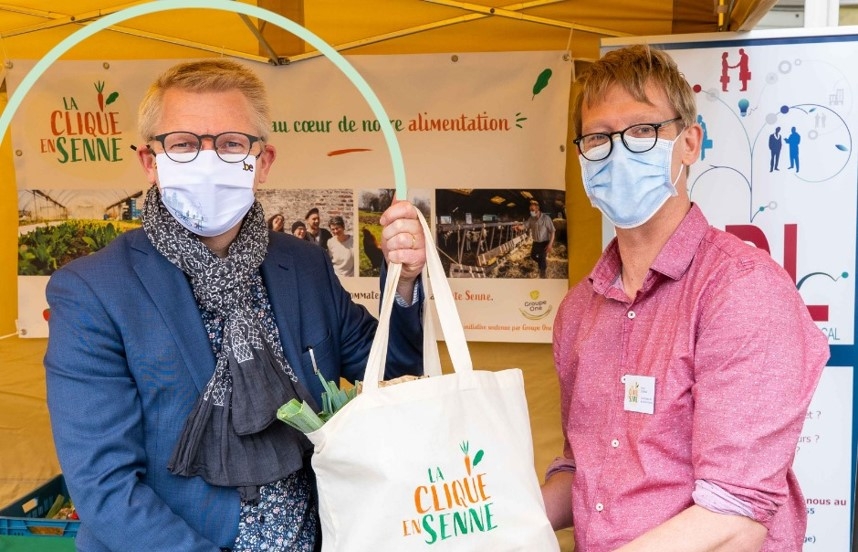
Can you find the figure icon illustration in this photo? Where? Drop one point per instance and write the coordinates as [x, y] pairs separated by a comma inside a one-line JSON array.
[[707, 141], [725, 71], [744, 71], [775, 145], [793, 140], [743, 65]]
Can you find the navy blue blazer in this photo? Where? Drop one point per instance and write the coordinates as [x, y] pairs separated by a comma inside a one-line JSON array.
[[128, 356]]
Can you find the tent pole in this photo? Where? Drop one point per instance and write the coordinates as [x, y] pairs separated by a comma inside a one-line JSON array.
[[58, 20], [25, 11], [190, 44], [422, 28], [273, 58], [502, 12], [744, 15]]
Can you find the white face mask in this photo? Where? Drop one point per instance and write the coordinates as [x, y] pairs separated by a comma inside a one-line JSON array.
[[207, 196]]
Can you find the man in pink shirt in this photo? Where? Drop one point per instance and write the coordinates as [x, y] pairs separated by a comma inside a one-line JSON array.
[[687, 358]]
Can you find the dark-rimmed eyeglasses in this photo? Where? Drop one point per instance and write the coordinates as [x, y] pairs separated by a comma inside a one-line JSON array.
[[639, 138], [183, 147]]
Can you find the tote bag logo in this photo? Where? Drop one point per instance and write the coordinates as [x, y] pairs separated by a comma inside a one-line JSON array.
[[452, 508]]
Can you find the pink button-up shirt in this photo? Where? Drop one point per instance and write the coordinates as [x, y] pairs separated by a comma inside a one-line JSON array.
[[736, 359]]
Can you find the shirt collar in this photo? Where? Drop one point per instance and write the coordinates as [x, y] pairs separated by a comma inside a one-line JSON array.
[[672, 261]]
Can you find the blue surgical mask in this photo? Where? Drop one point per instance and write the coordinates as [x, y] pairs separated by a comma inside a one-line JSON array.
[[207, 196], [629, 188]]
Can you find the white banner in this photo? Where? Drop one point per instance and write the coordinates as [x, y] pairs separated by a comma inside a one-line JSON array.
[[481, 135], [823, 462], [778, 169]]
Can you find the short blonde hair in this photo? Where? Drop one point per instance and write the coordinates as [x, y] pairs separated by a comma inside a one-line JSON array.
[[632, 68], [209, 75]]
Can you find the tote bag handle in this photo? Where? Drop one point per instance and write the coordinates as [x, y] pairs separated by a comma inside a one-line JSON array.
[[448, 316], [431, 356]]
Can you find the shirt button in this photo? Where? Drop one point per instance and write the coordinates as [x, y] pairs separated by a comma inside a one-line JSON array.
[[615, 443], [631, 315], [599, 506]]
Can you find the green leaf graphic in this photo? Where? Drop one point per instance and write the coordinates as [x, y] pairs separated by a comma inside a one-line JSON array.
[[541, 82], [477, 457]]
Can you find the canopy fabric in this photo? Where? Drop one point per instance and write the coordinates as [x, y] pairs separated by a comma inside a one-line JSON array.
[[30, 28]]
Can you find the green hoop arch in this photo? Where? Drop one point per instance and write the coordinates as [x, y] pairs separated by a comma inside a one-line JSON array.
[[226, 5]]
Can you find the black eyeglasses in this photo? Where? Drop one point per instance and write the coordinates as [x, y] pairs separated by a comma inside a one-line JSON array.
[[183, 147], [638, 138]]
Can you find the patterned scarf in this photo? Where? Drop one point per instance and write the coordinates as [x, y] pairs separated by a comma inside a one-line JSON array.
[[232, 437]]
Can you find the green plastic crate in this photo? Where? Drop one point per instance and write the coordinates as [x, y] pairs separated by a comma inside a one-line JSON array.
[[23, 518], [41, 544]]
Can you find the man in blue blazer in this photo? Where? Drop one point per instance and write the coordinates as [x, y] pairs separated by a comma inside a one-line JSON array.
[[171, 348]]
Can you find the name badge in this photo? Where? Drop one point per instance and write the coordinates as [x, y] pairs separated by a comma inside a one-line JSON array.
[[640, 394]]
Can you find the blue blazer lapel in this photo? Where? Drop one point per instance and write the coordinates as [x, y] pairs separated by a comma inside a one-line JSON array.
[[281, 281], [169, 290]]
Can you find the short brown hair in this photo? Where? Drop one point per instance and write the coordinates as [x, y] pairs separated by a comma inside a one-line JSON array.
[[633, 67], [208, 75]]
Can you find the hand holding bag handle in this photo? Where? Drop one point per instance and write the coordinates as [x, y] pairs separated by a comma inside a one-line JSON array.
[[448, 316]]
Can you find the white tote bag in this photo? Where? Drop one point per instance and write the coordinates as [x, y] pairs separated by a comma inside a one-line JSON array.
[[443, 463]]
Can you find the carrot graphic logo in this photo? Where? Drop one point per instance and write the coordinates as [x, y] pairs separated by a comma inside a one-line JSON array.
[[464, 446], [99, 89]]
